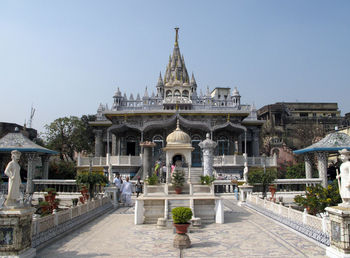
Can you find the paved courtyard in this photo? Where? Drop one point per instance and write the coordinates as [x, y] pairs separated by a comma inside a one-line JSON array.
[[244, 234]]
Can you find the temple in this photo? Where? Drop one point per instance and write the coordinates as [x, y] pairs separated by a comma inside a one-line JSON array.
[[119, 130]]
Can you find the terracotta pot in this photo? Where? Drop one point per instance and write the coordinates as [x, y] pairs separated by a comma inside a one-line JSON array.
[[47, 198], [181, 228], [82, 199], [178, 190]]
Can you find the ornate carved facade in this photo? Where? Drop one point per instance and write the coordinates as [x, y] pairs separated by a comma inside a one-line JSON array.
[[130, 121]]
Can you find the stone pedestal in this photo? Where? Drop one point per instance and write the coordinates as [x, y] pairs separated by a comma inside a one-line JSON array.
[[244, 190], [161, 223], [182, 241], [339, 235], [15, 232]]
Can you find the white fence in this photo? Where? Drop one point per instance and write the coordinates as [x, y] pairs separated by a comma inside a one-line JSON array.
[[295, 215], [238, 160], [114, 160], [50, 226]]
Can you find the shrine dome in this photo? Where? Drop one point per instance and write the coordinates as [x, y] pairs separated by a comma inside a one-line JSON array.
[[178, 137]]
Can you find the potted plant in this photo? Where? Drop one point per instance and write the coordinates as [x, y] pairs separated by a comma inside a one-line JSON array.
[[207, 180], [178, 180], [181, 216], [272, 189], [152, 180]]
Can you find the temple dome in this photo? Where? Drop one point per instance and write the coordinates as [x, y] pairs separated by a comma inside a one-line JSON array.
[[178, 137]]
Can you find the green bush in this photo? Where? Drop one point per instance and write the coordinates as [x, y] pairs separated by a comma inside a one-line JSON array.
[[317, 198], [207, 180], [90, 180], [258, 176], [178, 178], [152, 180], [181, 215]]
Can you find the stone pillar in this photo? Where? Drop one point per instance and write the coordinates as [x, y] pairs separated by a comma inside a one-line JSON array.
[[114, 145], [30, 172], [322, 164], [256, 143], [240, 144], [15, 232], [244, 190], [98, 143], [339, 232], [208, 147], [45, 160], [147, 158], [308, 165]]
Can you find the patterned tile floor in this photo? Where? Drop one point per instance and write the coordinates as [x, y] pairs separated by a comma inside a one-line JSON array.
[[244, 234]]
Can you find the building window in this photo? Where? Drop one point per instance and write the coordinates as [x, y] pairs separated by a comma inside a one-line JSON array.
[[185, 94], [304, 114], [177, 93], [169, 93], [223, 145]]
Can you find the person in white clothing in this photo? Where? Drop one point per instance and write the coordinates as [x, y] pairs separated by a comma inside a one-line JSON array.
[[117, 183], [127, 192]]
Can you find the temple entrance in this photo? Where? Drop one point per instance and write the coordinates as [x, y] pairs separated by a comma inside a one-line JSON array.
[[131, 148], [177, 159], [196, 154]]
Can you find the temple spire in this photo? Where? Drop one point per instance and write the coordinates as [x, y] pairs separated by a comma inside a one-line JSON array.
[[176, 35]]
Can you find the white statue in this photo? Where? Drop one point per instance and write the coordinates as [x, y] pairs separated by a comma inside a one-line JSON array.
[[13, 172], [245, 173], [344, 188]]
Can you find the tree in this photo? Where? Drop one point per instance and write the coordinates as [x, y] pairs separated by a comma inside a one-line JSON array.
[[258, 176], [59, 169], [317, 198], [296, 171], [70, 134]]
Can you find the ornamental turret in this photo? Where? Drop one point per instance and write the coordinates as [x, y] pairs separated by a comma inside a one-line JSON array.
[[160, 86], [236, 98]]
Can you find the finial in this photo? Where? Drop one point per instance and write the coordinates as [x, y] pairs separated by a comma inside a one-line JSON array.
[[178, 124], [176, 35]]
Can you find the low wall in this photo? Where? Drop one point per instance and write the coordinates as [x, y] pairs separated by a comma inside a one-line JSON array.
[[312, 226], [47, 228]]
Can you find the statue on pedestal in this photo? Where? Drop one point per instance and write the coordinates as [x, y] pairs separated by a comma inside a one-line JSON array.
[[245, 173], [13, 172], [344, 188]]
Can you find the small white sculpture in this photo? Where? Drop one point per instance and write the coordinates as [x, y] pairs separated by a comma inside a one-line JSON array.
[[13, 172], [344, 188], [245, 173]]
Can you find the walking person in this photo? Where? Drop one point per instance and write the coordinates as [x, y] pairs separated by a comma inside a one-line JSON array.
[[117, 182], [138, 187], [127, 192]]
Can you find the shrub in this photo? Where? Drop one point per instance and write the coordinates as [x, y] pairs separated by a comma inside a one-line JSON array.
[[317, 198], [178, 178], [181, 215], [90, 180], [260, 177], [207, 180], [152, 180]]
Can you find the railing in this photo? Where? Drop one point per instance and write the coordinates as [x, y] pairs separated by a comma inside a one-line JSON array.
[[114, 160], [60, 185], [46, 228], [312, 226], [238, 160], [225, 186]]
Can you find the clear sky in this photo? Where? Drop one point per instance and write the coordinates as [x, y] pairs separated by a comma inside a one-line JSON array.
[[66, 57]]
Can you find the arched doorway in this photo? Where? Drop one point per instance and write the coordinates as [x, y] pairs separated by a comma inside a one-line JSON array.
[[157, 150]]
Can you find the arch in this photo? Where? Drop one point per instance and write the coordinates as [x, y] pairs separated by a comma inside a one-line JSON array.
[[185, 94], [177, 93], [197, 152], [168, 93]]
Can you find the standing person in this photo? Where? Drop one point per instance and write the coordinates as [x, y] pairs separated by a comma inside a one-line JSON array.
[[138, 187], [127, 192], [13, 172], [117, 182]]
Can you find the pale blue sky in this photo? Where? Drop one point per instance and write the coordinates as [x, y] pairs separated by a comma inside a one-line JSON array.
[[65, 57]]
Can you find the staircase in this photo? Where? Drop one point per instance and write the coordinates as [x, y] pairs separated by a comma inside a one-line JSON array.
[[196, 173]]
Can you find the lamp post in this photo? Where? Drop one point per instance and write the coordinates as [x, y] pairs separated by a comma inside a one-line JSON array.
[[264, 176]]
